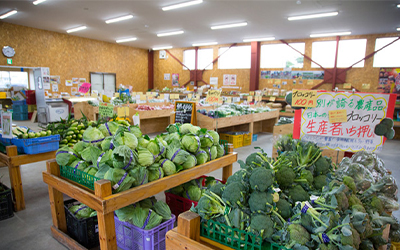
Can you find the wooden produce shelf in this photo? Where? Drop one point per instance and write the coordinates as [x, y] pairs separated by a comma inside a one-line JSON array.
[[105, 203], [286, 114], [396, 123], [13, 161]]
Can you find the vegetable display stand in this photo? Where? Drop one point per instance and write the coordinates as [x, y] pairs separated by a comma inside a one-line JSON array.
[[13, 161], [105, 203]]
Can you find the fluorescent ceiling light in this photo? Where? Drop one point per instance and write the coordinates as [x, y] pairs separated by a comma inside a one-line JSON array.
[[162, 48], [225, 26], [181, 5], [204, 44], [398, 29], [331, 34], [114, 20], [38, 2], [76, 29], [313, 16], [170, 33], [10, 13], [126, 40], [258, 39], [398, 6]]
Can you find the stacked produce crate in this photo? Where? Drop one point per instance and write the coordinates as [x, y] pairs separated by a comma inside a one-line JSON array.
[[31, 101], [20, 110]]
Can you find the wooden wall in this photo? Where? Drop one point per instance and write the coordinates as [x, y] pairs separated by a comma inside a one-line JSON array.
[[356, 76], [71, 56]]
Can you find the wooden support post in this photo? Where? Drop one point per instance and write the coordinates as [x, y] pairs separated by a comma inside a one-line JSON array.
[[15, 179], [227, 170], [56, 199], [189, 225], [107, 237], [251, 127]]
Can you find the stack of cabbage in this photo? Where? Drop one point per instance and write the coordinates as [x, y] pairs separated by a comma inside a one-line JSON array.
[[81, 211], [194, 189], [128, 159], [146, 214]]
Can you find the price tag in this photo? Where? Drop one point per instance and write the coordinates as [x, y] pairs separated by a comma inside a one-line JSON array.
[[304, 98], [123, 111], [84, 88], [213, 96], [251, 92], [106, 110], [229, 100], [161, 96], [272, 98], [249, 98], [347, 85], [143, 98], [190, 96], [220, 100], [336, 116]]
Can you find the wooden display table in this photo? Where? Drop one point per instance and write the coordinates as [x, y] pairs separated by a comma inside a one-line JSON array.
[[12, 160], [105, 203], [254, 123]]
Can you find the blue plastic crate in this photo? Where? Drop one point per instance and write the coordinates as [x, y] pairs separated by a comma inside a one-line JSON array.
[[5, 141], [20, 116], [255, 137], [37, 145], [19, 109], [23, 102]]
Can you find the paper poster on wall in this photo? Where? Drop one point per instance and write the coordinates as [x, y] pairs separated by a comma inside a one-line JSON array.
[[213, 80], [55, 79], [68, 83], [54, 87], [270, 81], [167, 76], [286, 74], [175, 80], [46, 79], [276, 74], [297, 74], [74, 90], [308, 75], [232, 80], [82, 80], [284, 83], [45, 71], [389, 80], [319, 75], [46, 86], [75, 80], [265, 74], [226, 80]]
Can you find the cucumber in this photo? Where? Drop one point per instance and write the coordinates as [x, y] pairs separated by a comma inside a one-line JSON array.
[[69, 138], [43, 133], [38, 134], [62, 145], [70, 145], [82, 131], [73, 141], [74, 136], [64, 141], [80, 137], [74, 124], [48, 132], [70, 132]]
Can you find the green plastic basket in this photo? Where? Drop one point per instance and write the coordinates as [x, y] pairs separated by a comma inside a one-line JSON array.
[[78, 176], [225, 144], [235, 238]]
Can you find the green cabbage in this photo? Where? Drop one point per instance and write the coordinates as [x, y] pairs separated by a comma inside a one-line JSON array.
[[90, 154], [155, 172], [157, 147], [168, 166], [92, 214], [90, 170], [79, 164], [81, 211], [107, 143], [79, 147], [213, 152], [65, 156], [162, 209], [124, 157], [127, 139], [220, 150], [141, 175], [190, 162], [176, 154], [194, 130], [185, 128], [92, 135], [125, 213], [214, 135], [102, 171], [172, 128], [136, 131], [172, 137], [192, 193], [148, 202], [146, 158], [109, 128], [206, 140], [146, 218], [105, 158], [191, 142], [178, 190], [201, 156], [120, 179], [142, 142]]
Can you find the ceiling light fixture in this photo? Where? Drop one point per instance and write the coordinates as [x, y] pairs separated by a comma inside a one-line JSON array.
[[204, 44], [162, 48], [170, 33], [398, 6], [331, 34], [126, 40], [76, 29], [398, 29], [258, 39], [226, 26], [114, 20], [181, 5], [10, 13], [313, 16], [38, 2]]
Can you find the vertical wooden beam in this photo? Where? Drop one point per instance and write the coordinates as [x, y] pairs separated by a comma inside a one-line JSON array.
[[15, 179], [196, 54], [150, 70], [56, 199], [107, 237], [335, 66], [189, 225], [255, 66], [227, 170]]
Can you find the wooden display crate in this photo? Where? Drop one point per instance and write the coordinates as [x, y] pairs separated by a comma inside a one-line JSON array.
[[105, 203], [88, 110]]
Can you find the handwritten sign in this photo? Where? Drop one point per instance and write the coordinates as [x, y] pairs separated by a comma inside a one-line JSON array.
[[106, 110], [143, 98], [123, 111], [304, 98], [213, 96], [272, 98], [251, 92], [249, 98], [229, 100], [347, 85], [84, 88], [339, 115], [185, 112]]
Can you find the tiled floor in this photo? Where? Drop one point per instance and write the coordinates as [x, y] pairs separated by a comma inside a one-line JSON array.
[[30, 228]]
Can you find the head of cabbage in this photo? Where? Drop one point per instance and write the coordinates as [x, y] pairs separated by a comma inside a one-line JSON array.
[[146, 158], [145, 218], [103, 168], [185, 128], [172, 128], [127, 139], [79, 165], [81, 211], [192, 193], [155, 172], [201, 156], [107, 143], [143, 142], [109, 128], [176, 154], [65, 156], [168, 166], [172, 137], [206, 139], [79, 147], [92, 135], [124, 157], [214, 135], [220, 150], [191, 142], [190, 162], [141, 175], [135, 130], [213, 152], [120, 179], [90, 170]]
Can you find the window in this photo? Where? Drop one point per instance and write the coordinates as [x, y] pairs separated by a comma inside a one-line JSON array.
[[204, 59], [103, 81], [13, 78], [282, 56], [349, 52], [388, 57], [235, 58]]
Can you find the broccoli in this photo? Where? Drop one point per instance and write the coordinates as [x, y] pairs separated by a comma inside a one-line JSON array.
[[354, 200], [259, 201], [349, 182], [394, 235], [285, 176], [297, 234], [305, 177], [234, 194], [376, 204], [238, 218], [343, 202], [297, 193], [380, 129], [217, 188], [238, 176], [261, 179], [351, 240], [261, 225], [307, 222], [284, 208], [359, 208], [366, 244], [320, 182], [211, 206], [307, 154], [328, 247], [322, 165], [316, 216]]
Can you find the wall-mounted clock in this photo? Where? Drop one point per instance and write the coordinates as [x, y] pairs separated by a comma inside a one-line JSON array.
[[8, 51]]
